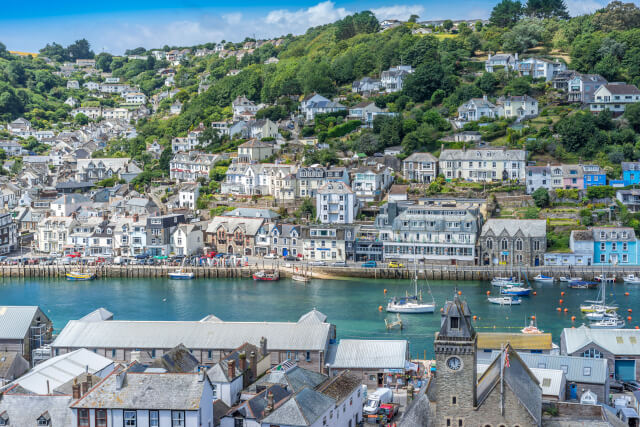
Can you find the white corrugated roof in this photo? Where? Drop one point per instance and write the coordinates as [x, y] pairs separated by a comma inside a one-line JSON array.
[[382, 354], [62, 369], [617, 341], [16, 320], [550, 379]]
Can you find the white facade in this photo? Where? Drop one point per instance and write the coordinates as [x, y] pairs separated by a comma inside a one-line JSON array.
[[483, 164], [614, 97], [187, 239], [336, 204]]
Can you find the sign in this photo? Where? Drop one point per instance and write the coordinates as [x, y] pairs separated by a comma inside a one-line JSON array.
[[322, 249], [394, 371], [505, 252]]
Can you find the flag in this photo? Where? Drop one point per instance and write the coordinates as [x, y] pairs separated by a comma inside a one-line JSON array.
[[506, 359]]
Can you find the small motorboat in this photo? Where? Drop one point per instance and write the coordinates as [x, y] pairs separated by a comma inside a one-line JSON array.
[[581, 284], [76, 275], [594, 307], [502, 281], [266, 275], [604, 278], [181, 275], [631, 279], [301, 278], [532, 328], [569, 279], [543, 279], [506, 300], [515, 291], [608, 323], [600, 314]]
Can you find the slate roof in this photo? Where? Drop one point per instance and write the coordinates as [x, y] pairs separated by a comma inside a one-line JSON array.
[[177, 360], [630, 166], [24, 410], [484, 154], [146, 390], [519, 341], [368, 354], [631, 234], [622, 89], [254, 407], [302, 409], [528, 227], [421, 157], [293, 379], [249, 226], [314, 316], [252, 213], [15, 321], [7, 359], [341, 386], [335, 188], [617, 341]]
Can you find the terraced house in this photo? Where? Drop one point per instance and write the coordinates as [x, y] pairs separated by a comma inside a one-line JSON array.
[[483, 164]]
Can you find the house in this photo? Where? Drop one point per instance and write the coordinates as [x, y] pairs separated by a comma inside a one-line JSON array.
[[242, 105], [438, 231], [19, 126], [581, 251], [20, 409], [500, 61], [175, 108], [222, 128], [370, 183], [393, 78], [336, 204], [24, 329], [159, 231], [467, 136], [483, 164], [594, 176], [615, 246], [540, 68], [310, 178], [131, 398], [73, 84], [233, 235], [97, 169], [68, 203], [582, 87], [520, 107], [189, 166], [85, 63], [362, 359], [489, 342], [537, 177], [187, 239], [420, 167], [318, 104], [475, 109], [286, 239], [619, 347], [12, 366], [52, 234], [629, 198], [572, 177], [251, 412], [630, 173], [188, 195], [513, 242], [327, 242], [91, 112], [614, 97], [366, 85], [262, 129], [366, 112]]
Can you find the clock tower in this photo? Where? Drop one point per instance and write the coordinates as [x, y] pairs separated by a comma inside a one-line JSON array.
[[455, 349]]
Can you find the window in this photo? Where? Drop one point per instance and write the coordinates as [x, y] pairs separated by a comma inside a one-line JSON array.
[[238, 422], [113, 352], [177, 418], [308, 356], [625, 246], [448, 422], [154, 419], [130, 418], [504, 245], [586, 371], [101, 418], [214, 391], [602, 258], [614, 246], [454, 323], [489, 243], [460, 422], [83, 418], [210, 354], [519, 245], [592, 353], [453, 400]]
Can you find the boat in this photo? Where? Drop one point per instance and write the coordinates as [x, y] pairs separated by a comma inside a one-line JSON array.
[[604, 278], [600, 314], [412, 303], [581, 284], [515, 291], [301, 278], [569, 279], [599, 304], [532, 328], [543, 279], [181, 275], [631, 278], [76, 275], [608, 323], [266, 275], [506, 300], [502, 281]]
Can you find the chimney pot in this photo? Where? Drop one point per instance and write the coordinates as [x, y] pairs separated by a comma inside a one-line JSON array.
[[231, 369], [242, 362], [83, 388], [263, 346]]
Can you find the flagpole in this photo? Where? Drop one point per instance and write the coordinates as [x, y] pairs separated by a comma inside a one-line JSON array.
[[502, 381]]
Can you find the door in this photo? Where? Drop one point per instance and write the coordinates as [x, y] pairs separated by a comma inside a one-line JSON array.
[[626, 370], [380, 379], [285, 252], [573, 392], [537, 261]]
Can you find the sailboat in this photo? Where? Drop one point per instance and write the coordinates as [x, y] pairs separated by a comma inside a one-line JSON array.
[[412, 303], [599, 304]]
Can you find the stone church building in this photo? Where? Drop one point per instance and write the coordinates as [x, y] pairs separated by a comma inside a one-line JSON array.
[[513, 242]]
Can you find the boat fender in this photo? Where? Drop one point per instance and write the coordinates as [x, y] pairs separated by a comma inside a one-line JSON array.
[[562, 293], [629, 310], [488, 292], [558, 309], [626, 294], [561, 301], [475, 317], [535, 293]]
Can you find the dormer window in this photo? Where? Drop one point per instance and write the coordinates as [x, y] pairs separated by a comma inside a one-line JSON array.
[[108, 231], [454, 322], [4, 419], [44, 419]]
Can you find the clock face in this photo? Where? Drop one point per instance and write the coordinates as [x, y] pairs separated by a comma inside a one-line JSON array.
[[454, 363]]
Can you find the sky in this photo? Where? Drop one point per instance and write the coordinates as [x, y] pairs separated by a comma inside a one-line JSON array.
[[116, 25]]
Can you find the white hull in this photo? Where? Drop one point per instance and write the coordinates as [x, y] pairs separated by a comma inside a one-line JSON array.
[[411, 308], [570, 279], [605, 324], [631, 279], [543, 279], [504, 301], [299, 278]]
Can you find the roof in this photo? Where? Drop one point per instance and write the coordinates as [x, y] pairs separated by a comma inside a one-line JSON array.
[[630, 166], [335, 188], [61, 369], [582, 235], [254, 407], [550, 380], [572, 366], [341, 386], [608, 231], [98, 315], [146, 390], [302, 409], [528, 227], [621, 89], [177, 360], [252, 213], [193, 334], [421, 157], [7, 359], [484, 154], [519, 341], [617, 341], [250, 226], [24, 410], [293, 379], [371, 354], [15, 321], [313, 317]]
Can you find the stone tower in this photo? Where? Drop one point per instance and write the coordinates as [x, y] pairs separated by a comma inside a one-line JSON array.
[[455, 349]]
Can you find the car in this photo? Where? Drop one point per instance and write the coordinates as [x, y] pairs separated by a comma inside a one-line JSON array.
[[318, 263], [370, 264], [291, 258], [394, 264], [270, 256], [339, 264]]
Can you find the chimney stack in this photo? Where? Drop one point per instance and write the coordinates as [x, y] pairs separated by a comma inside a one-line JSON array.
[[75, 389], [83, 388], [231, 369], [253, 365], [48, 388], [89, 381], [201, 373], [242, 362], [269, 407], [263, 346], [120, 378]]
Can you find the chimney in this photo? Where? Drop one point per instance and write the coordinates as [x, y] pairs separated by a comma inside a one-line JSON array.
[[489, 57], [75, 389], [201, 374], [48, 388], [231, 369], [263, 346], [120, 378], [253, 365], [83, 388], [269, 407], [441, 147], [89, 381], [516, 56], [135, 218], [242, 362]]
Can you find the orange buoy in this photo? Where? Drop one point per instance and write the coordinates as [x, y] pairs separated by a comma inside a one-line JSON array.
[[573, 318], [637, 327], [475, 317], [385, 291], [533, 317], [629, 318], [488, 292], [459, 292], [573, 327], [560, 302], [535, 293], [626, 294], [558, 309], [629, 310], [441, 309], [566, 310], [562, 293], [380, 308]]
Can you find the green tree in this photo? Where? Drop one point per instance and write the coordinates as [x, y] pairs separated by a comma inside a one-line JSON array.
[[81, 49], [617, 16], [545, 9], [506, 13], [103, 61], [541, 197], [487, 83], [425, 80], [414, 18], [524, 35], [447, 24], [632, 114], [81, 119]]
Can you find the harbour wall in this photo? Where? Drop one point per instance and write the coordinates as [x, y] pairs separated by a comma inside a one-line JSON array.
[[429, 272]]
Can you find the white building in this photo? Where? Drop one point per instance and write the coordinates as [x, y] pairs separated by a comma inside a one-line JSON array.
[[52, 233], [392, 79], [135, 98], [336, 204], [189, 166], [517, 106], [188, 195], [500, 61], [420, 167], [242, 105], [484, 164], [476, 108], [187, 239], [371, 183], [614, 97], [318, 104], [540, 68]]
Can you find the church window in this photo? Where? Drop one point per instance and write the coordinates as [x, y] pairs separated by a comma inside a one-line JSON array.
[[453, 400], [519, 245], [448, 422], [460, 423], [504, 245], [489, 244]]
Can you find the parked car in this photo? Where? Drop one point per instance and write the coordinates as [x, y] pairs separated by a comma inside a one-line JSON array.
[[318, 263], [370, 264], [291, 258], [270, 256], [394, 264], [339, 264]]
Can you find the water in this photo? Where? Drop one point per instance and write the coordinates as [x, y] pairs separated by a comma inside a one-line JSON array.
[[352, 305]]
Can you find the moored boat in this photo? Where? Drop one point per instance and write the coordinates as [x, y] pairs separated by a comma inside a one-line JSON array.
[[266, 275], [569, 279], [605, 278], [301, 278], [515, 291], [412, 303], [506, 300], [181, 275], [581, 284], [532, 328], [502, 281], [631, 279], [593, 307], [608, 323], [600, 314], [543, 279], [76, 275]]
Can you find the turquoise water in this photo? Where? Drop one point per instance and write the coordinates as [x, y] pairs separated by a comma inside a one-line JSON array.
[[352, 305]]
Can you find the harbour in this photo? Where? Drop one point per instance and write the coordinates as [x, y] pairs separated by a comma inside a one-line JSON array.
[[355, 306]]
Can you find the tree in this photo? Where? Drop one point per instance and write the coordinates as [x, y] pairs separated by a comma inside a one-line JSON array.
[[576, 130], [414, 18], [617, 16], [447, 24], [506, 13], [425, 80], [81, 119], [546, 9], [81, 49], [103, 61], [487, 82], [632, 114], [541, 197], [524, 35]]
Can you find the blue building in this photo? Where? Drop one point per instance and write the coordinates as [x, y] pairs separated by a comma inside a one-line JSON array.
[[593, 176], [630, 173], [614, 246]]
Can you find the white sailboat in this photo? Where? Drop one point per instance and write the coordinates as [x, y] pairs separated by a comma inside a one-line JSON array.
[[599, 304], [412, 303]]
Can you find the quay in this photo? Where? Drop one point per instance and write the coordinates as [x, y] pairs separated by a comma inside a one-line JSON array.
[[428, 272]]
